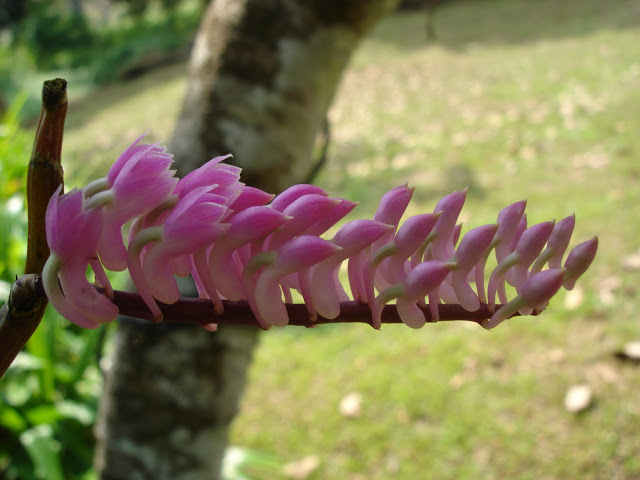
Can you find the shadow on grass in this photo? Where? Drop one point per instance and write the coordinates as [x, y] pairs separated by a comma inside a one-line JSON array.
[[460, 24]]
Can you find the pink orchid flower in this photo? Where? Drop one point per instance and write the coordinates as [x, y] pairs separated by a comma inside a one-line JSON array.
[[191, 226], [219, 270], [262, 288], [407, 240], [556, 245], [471, 250], [72, 234], [508, 221], [529, 246], [137, 183], [419, 283], [325, 291], [536, 293]]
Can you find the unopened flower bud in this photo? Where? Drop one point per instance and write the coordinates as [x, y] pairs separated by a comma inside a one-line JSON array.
[[579, 261]]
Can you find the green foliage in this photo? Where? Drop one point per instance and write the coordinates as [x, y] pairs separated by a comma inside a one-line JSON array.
[[11, 12], [14, 159], [56, 39], [49, 42], [49, 399], [133, 44]]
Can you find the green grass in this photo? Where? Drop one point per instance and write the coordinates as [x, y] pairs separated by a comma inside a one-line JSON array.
[[514, 101]]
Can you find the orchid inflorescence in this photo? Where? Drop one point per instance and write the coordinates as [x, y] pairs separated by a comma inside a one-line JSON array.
[[240, 243]]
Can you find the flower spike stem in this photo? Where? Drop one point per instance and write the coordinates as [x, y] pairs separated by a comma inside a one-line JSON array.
[[22, 313], [201, 312]]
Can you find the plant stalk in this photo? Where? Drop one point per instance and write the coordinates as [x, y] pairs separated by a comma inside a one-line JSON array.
[[201, 311], [22, 313]]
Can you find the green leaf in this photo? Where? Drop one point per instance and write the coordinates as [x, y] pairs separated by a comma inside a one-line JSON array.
[[79, 412], [23, 363], [11, 419], [44, 451], [43, 414], [93, 342], [39, 345]]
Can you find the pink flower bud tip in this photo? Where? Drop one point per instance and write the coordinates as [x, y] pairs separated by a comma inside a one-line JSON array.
[[290, 195], [393, 204], [579, 261]]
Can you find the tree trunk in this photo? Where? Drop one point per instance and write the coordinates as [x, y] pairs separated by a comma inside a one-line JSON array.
[[76, 7], [262, 75]]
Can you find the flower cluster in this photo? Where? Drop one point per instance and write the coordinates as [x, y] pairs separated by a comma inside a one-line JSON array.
[[240, 243]]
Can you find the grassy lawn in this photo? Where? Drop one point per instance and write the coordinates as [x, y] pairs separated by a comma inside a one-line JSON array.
[[513, 101]]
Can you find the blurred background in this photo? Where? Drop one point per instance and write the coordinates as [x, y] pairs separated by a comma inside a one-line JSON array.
[[511, 98]]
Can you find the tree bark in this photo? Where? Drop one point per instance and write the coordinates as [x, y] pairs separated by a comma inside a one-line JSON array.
[[262, 75]]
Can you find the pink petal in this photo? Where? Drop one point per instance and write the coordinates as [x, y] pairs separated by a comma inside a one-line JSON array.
[[358, 234], [542, 286], [410, 314], [181, 265], [509, 219], [225, 274], [268, 298], [133, 150], [559, 240], [424, 278], [390, 210], [331, 218], [291, 194], [51, 220], [305, 211], [208, 175], [324, 296], [470, 251], [528, 248], [451, 205], [357, 264], [412, 233], [304, 281], [158, 274], [302, 252], [83, 295], [393, 204], [252, 224], [408, 239], [250, 197]]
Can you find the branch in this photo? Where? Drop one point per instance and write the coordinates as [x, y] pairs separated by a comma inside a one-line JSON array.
[[201, 311], [22, 313], [45, 169]]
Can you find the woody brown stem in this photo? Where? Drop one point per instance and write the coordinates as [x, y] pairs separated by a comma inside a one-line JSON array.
[[45, 170], [22, 313]]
